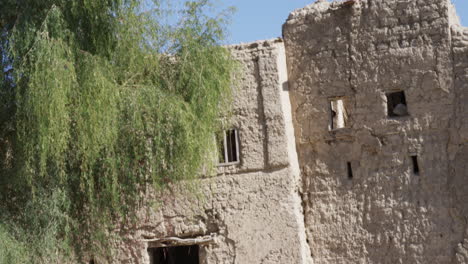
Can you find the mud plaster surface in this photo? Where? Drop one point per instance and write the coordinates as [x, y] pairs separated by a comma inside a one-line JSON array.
[[290, 199], [361, 52]]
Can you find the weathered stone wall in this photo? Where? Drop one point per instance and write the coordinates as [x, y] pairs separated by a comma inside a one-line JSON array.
[[459, 138], [279, 205], [360, 51], [254, 207]]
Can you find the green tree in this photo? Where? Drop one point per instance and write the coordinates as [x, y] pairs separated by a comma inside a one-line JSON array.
[[100, 102]]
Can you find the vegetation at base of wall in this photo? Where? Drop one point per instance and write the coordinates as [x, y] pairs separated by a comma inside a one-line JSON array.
[[100, 102]]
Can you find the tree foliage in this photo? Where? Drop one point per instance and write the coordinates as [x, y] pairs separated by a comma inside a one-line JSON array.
[[100, 102]]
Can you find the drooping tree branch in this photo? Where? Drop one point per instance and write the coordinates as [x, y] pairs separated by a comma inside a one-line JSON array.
[[93, 116]]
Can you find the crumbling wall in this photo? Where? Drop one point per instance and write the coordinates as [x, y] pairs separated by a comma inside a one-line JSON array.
[[387, 212], [379, 103], [459, 139], [253, 208]]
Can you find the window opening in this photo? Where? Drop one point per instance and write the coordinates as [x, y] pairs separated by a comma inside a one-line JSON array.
[[339, 114], [229, 147], [396, 104], [350, 170], [414, 159], [175, 255]]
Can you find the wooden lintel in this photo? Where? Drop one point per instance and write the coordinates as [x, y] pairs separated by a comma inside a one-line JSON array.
[[176, 241]]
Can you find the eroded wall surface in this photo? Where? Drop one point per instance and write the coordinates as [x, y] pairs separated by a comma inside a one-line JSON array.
[[459, 139], [347, 195], [253, 208], [361, 51]]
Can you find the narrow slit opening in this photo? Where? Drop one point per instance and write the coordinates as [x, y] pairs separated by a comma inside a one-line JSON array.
[[232, 145], [350, 170], [414, 159]]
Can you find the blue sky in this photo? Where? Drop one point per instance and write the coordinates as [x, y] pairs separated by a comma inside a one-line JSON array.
[[262, 19]]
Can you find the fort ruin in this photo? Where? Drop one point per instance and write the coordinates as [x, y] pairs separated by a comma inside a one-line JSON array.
[[349, 144]]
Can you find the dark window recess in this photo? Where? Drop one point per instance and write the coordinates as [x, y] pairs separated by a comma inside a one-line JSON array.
[[396, 104], [174, 255], [415, 165], [350, 170], [228, 146]]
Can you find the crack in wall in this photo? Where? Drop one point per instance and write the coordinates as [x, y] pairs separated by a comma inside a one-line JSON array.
[[457, 35], [261, 110], [297, 180]]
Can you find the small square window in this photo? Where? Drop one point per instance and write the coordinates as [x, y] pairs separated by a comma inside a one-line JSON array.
[[396, 104], [174, 255], [338, 114], [229, 147]]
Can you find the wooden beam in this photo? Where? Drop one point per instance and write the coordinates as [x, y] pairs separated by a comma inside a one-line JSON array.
[[176, 241]]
